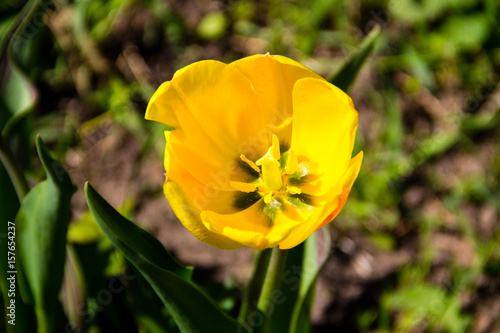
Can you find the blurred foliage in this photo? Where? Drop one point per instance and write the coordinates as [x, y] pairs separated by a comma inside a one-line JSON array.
[[81, 72]]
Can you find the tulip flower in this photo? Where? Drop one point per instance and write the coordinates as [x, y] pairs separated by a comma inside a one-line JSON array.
[[260, 151]]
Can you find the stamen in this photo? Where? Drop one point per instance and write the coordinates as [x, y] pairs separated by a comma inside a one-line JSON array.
[[250, 163], [268, 197], [276, 148], [291, 163], [293, 190], [243, 187]]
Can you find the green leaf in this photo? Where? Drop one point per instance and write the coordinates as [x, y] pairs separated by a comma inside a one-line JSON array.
[[17, 97], [191, 308], [316, 251], [9, 206], [349, 70], [41, 224], [136, 243]]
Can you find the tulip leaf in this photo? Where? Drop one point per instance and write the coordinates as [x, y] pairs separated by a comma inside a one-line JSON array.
[[136, 243], [9, 205], [17, 94], [17, 97], [191, 308], [41, 225], [349, 70], [316, 251]]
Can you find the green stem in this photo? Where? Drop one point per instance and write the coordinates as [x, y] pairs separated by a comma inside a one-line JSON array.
[[271, 286], [252, 292], [14, 169], [45, 324]]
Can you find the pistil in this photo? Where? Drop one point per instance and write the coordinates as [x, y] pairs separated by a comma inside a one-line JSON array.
[[271, 173]]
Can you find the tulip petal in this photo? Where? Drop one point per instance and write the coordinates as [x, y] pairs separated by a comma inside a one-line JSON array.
[[202, 195], [216, 116], [185, 210], [248, 226], [324, 128], [273, 78], [347, 181], [305, 229], [162, 105], [286, 222], [252, 226], [332, 205], [188, 197]]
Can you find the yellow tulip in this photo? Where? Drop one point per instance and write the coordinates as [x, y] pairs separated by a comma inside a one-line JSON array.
[[260, 154]]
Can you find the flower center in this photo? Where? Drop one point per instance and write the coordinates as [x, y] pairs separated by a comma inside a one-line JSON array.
[[274, 170]]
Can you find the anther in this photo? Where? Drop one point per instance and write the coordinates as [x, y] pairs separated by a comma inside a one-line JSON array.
[[291, 163], [293, 190], [243, 187], [250, 163]]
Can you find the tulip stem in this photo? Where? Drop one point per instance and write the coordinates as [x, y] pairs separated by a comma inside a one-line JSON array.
[[271, 287], [252, 292]]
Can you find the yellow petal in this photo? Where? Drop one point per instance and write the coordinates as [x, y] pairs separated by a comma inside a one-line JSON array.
[[162, 106], [248, 238], [248, 226], [188, 197], [273, 78], [347, 181], [332, 203], [303, 230], [324, 128], [202, 195], [287, 221], [251, 227], [186, 212], [216, 116]]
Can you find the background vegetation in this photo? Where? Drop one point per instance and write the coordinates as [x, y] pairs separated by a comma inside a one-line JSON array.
[[417, 247]]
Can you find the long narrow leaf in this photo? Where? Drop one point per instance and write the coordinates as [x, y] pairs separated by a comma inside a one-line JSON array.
[[348, 72], [191, 308], [41, 226], [315, 257], [136, 243], [24, 315]]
